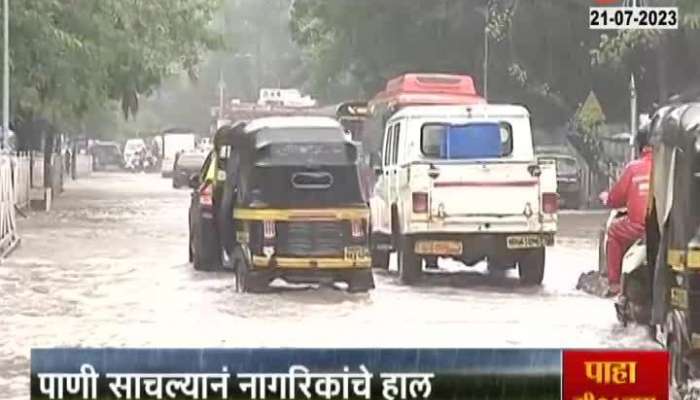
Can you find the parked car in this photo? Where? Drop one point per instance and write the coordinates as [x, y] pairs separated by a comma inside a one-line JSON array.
[[174, 141], [569, 179], [187, 164], [105, 155]]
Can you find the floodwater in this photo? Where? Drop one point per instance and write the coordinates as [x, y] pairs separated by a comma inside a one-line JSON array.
[[108, 267]]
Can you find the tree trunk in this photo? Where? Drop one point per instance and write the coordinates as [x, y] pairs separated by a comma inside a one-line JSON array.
[[48, 151]]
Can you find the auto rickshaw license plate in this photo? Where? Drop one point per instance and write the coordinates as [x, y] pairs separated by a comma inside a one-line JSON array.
[[355, 253], [439, 247], [524, 241]]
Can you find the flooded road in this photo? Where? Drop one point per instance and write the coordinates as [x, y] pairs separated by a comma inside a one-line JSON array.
[[108, 267]]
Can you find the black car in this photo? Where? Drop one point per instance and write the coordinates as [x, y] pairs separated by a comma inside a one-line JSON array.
[[569, 179], [185, 166]]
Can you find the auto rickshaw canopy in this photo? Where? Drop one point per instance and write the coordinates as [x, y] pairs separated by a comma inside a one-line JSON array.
[[673, 225], [297, 165]]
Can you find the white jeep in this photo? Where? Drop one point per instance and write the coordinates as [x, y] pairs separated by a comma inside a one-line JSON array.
[[463, 182]]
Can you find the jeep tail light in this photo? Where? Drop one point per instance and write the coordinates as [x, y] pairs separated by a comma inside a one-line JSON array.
[[269, 229], [550, 203], [420, 202], [356, 228], [206, 195]]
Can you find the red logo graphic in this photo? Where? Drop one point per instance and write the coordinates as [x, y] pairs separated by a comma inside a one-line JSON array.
[[606, 2], [600, 374]]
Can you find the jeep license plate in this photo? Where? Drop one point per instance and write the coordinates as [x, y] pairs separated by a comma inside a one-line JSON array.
[[524, 242], [439, 247]]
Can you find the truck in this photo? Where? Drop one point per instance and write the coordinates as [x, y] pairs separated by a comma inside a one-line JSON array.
[[174, 141]]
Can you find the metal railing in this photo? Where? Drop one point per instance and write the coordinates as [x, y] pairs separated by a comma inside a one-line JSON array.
[[21, 179], [37, 169], [18, 175], [8, 228]]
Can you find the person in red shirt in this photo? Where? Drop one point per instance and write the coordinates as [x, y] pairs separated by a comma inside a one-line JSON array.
[[630, 191]]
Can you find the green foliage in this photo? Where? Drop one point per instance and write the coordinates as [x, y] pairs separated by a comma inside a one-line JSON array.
[[257, 51], [541, 53], [619, 49], [535, 47], [73, 56]]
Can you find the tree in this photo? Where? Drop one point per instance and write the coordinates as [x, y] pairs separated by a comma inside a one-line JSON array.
[[72, 56], [257, 52], [540, 52]]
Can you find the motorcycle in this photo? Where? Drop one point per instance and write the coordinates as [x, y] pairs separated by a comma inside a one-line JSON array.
[[150, 163], [134, 163], [631, 304]]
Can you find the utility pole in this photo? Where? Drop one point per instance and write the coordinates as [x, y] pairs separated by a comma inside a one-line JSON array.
[[222, 87], [5, 74], [486, 58]]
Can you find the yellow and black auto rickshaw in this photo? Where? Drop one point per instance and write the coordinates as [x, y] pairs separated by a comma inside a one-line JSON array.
[[300, 212], [673, 239]]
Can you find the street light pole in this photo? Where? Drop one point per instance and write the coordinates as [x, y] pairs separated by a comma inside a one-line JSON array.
[[6, 74], [222, 87], [633, 115], [486, 56]]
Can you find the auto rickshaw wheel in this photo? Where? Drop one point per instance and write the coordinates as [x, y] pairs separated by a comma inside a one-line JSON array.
[[380, 259], [410, 265], [361, 281], [531, 267], [248, 281]]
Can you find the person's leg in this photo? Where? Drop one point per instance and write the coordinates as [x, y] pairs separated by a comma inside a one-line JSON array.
[[621, 235]]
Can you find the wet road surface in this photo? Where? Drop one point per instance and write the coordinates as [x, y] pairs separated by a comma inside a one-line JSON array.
[[108, 267]]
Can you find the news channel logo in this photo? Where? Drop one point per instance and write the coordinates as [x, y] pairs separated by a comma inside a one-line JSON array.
[[631, 15]]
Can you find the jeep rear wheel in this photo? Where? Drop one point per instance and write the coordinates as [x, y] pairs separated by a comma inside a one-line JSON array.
[[531, 267], [410, 265]]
